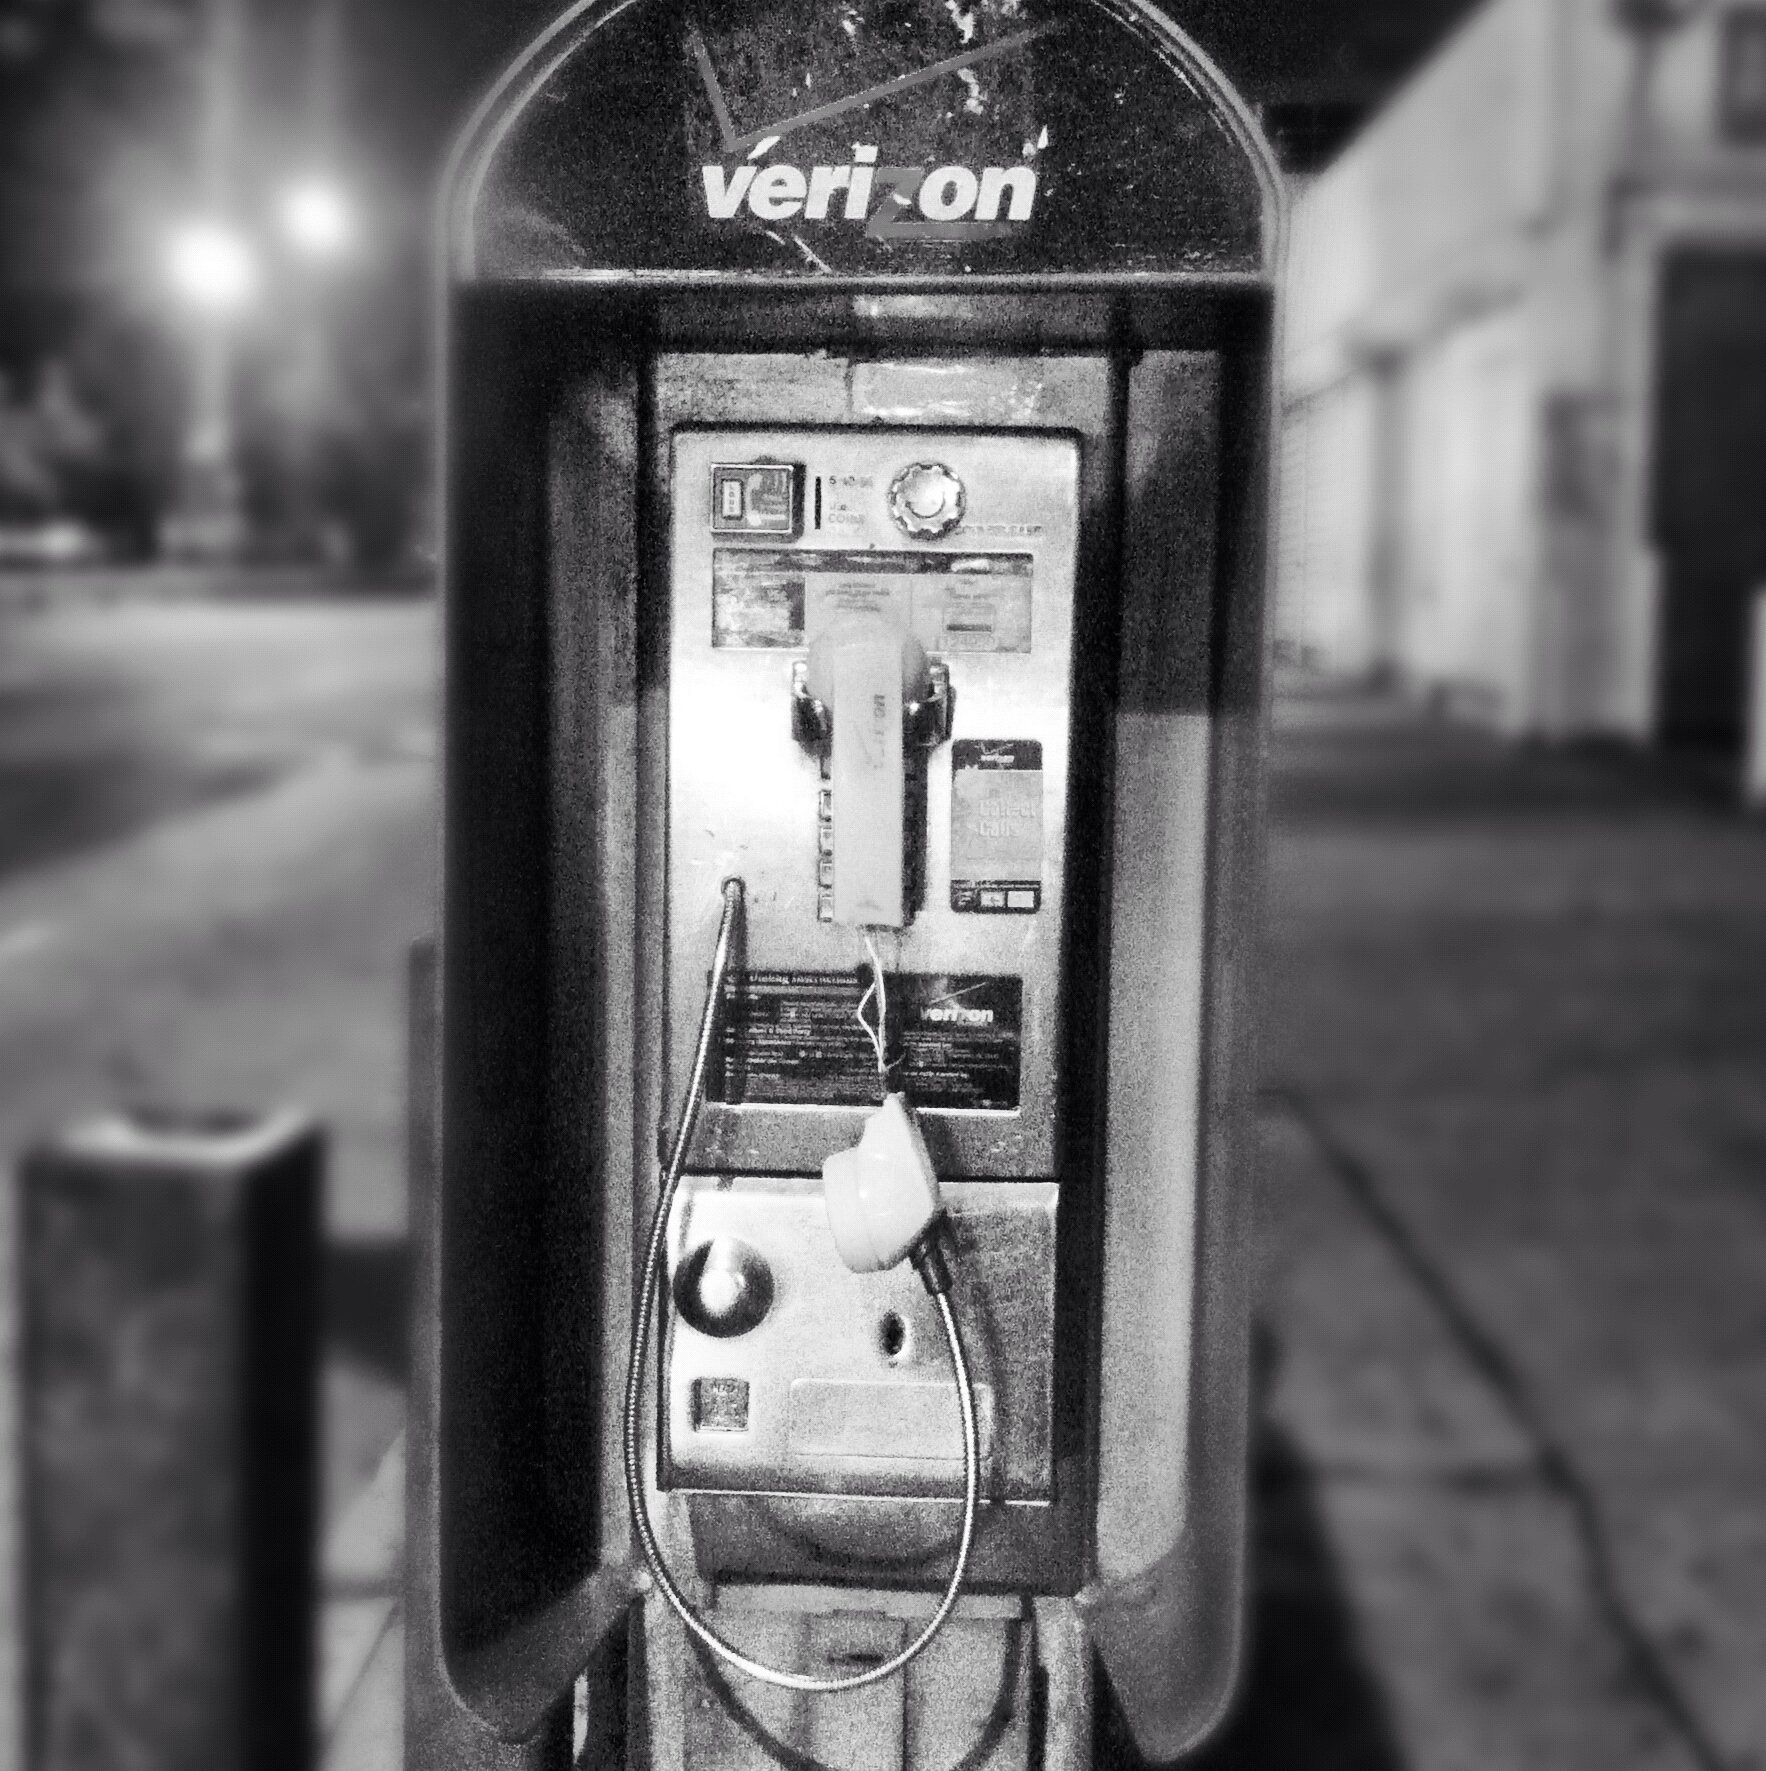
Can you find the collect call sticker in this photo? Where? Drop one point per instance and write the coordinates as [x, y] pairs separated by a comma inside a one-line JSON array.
[[790, 1038], [996, 826], [950, 602]]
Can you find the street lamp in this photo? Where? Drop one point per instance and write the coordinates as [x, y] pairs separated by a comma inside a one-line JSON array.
[[211, 266], [316, 218], [212, 269]]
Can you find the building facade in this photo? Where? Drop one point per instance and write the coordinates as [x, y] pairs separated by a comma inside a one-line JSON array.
[[1524, 441]]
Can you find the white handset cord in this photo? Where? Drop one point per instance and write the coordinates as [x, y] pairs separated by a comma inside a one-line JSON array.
[[937, 1283]]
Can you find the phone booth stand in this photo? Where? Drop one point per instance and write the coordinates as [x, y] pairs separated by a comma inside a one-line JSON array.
[[833, 1212]]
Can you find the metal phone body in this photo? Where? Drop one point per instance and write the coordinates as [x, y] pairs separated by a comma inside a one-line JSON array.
[[774, 535], [745, 795]]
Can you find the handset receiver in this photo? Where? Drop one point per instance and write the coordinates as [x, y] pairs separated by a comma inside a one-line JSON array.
[[861, 676]]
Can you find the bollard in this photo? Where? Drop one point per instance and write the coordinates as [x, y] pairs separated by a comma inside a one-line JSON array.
[[169, 1351]]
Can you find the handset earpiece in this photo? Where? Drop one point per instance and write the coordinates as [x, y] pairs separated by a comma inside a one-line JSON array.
[[864, 671]]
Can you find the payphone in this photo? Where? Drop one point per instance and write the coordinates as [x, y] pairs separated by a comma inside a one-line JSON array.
[[869, 685], [914, 617], [833, 1265]]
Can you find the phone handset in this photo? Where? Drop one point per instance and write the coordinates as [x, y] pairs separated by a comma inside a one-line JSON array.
[[865, 672]]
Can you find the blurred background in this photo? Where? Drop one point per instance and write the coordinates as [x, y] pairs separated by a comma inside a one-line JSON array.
[[1511, 1471]]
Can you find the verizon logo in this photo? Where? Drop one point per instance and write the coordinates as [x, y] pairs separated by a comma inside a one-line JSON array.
[[961, 1017], [892, 202]]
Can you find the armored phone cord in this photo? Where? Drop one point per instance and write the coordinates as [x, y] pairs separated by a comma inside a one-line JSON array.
[[928, 1262]]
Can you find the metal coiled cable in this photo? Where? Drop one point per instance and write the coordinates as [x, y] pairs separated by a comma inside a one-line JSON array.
[[634, 1387]]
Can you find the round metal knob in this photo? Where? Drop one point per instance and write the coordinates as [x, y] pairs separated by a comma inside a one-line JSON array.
[[927, 499], [723, 1288]]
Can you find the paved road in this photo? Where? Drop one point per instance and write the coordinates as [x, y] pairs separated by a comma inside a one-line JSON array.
[[217, 841], [113, 718]]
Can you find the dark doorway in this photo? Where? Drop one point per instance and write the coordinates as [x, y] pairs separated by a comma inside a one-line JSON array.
[[1710, 487]]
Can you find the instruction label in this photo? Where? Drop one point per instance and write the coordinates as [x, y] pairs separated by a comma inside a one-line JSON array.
[[791, 1038], [950, 602]]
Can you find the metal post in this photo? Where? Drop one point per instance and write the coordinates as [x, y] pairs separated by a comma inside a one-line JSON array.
[[169, 1277]]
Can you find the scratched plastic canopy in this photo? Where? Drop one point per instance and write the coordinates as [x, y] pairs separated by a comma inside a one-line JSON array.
[[861, 139]]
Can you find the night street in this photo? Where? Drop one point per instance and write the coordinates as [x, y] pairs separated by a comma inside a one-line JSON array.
[[1110, 653]]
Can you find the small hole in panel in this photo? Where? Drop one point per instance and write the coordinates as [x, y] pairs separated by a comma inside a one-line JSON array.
[[892, 1337]]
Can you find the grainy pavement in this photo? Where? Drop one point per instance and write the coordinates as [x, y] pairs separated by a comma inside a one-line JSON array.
[[1514, 1300]]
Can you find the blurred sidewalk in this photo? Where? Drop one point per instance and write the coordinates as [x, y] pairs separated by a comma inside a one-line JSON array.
[[218, 838], [1514, 1293]]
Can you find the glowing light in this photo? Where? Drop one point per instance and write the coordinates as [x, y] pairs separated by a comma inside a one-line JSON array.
[[316, 217], [212, 266]]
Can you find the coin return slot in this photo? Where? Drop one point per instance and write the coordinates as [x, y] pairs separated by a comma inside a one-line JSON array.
[[892, 1338]]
